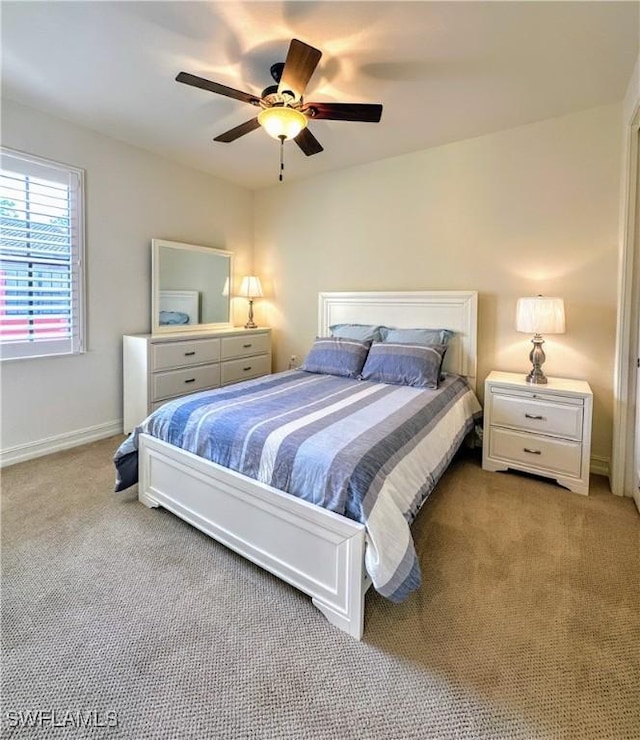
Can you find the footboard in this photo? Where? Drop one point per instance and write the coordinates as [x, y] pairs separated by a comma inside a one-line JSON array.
[[317, 551]]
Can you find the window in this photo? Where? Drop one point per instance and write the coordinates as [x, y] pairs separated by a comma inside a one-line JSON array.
[[41, 257]]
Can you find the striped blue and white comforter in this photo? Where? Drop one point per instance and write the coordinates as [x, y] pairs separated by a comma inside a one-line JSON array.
[[369, 451]]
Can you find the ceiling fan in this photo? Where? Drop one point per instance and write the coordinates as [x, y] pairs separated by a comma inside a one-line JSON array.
[[284, 113]]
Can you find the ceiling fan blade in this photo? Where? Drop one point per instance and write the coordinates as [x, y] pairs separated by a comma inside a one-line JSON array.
[[299, 65], [308, 142], [367, 112], [214, 87], [238, 131]]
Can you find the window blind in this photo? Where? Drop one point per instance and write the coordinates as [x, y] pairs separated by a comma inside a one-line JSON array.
[[41, 257]]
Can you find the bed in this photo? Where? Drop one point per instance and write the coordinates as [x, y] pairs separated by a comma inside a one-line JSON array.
[[330, 556]]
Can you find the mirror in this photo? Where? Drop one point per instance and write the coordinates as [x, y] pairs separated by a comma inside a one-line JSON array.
[[190, 287]]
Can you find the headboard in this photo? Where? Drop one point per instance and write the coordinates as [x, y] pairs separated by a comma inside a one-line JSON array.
[[430, 309]]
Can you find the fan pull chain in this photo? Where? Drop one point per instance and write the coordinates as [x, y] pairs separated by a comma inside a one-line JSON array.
[[282, 138]]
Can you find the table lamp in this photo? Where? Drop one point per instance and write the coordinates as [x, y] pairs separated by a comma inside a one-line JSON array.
[[539, 315], [250, 288]]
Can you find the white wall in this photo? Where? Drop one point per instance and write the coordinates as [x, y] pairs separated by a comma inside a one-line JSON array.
[[131, 196], [525, 211]]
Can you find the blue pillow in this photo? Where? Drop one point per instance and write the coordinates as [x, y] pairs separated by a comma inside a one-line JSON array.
[[417, 365], [363, 332], [417, 336], [173, 317], [336, 356]]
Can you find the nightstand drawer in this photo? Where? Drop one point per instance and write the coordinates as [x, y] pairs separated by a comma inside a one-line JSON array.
[[543, 416], [538, 452], [251, 367], [189, 352], [243, 346], [181, 382]]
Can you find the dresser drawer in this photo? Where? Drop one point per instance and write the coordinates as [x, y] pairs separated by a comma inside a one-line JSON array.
[[181, 382], [251, 367], [543, 416], [243, 346], [188, 352], [532, 451]]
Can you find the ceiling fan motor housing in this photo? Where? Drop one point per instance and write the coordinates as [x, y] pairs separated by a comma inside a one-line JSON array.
[[271, 97], [276, 71]]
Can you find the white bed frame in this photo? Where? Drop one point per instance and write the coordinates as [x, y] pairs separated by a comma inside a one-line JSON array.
[[317, 551]]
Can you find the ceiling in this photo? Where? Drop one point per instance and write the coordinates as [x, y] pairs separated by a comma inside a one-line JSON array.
[[444, 71]]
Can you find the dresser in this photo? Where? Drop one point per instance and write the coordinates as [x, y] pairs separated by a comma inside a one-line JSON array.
[[157, 368], [541, 429]]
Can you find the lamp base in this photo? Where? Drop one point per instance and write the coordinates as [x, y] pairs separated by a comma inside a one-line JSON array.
[[536, 377], [250, 323], [537, 358]]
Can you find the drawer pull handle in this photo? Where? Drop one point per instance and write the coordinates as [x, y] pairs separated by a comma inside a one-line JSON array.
[[247, 368], [531, 452], [188, 354], [534, 416], [247, 346], [191, 380]]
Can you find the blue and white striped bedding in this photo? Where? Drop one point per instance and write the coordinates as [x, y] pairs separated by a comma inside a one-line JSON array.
[[369, 451]]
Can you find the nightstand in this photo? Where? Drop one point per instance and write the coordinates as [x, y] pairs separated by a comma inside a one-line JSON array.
[[541, 429]]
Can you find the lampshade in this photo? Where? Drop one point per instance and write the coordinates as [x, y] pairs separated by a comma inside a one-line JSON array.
[[282, 121], [225, 287], [540, 315], [250, 287]]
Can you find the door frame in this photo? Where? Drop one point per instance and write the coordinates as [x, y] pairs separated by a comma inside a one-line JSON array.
[[623, 472]]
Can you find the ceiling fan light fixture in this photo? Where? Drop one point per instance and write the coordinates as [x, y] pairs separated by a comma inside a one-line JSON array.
[[282, 122]]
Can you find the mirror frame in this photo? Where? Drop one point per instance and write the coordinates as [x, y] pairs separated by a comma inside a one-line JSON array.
[[156, 328]]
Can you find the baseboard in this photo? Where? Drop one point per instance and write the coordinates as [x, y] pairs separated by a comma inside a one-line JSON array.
[[600, 465], [31, 450]]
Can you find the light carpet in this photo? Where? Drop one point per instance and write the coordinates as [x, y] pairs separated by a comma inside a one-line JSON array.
[[125, 622]]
